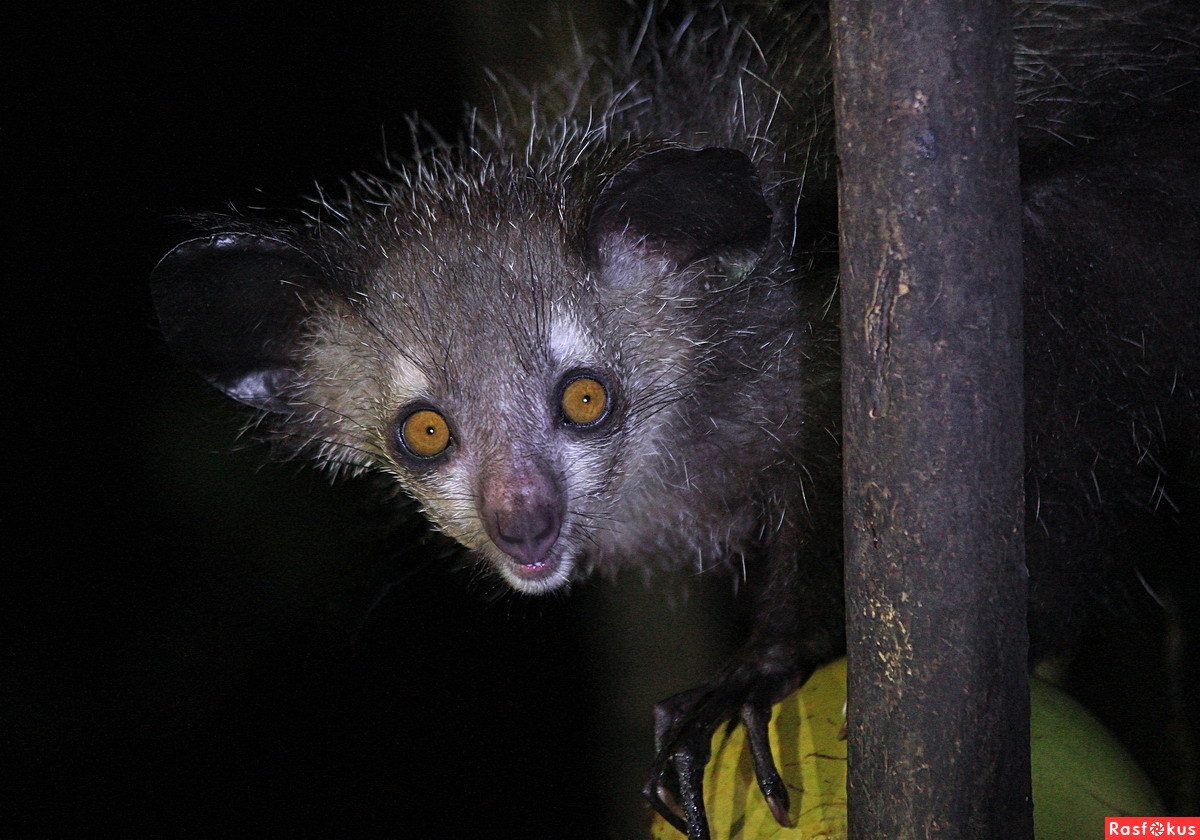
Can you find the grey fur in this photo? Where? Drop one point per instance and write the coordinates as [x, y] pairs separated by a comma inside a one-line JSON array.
[[476, 279]]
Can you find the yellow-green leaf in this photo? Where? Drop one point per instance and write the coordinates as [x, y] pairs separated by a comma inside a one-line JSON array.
[[1080, 773]]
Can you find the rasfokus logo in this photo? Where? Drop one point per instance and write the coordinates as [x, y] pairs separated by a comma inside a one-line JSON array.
[[1152, 827]]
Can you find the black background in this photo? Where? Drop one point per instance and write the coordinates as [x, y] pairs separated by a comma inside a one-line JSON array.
[[190, 648], [199, 642]]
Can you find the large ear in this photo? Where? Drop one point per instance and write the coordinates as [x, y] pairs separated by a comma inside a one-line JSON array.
[[231, 306], [672, 207]]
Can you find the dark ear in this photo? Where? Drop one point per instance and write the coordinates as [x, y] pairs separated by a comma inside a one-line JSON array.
[[670, 208], [231, 306]]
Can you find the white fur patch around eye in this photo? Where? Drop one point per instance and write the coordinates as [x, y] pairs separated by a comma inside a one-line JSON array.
[[408, 381], [570, 344]]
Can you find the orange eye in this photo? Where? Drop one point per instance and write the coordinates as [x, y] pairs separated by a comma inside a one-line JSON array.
[[584, 401], [426, 433]]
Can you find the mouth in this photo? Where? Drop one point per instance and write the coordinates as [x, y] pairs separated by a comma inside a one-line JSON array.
[[543, 575]]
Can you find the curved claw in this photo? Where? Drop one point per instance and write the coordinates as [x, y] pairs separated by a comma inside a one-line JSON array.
[[689, 773], [755, 718], [684, 726], [657, 796]]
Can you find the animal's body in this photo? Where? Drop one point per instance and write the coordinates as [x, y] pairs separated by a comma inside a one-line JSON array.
[[607, 337]]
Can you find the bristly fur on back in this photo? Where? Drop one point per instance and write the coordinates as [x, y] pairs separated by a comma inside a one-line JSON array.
[[385, 316]]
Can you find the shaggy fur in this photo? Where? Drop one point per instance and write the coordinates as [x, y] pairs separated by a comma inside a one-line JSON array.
[[580, 232]]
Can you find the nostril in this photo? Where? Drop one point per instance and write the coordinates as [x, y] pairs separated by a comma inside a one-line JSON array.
[[527, 533], [522, 509]]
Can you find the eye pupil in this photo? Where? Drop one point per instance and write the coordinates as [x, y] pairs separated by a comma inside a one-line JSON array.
[[425, 433], [584, 401]]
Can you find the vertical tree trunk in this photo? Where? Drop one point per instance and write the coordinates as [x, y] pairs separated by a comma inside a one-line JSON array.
[[931, 318]]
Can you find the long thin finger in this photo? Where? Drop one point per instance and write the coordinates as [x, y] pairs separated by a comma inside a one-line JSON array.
[[689, 767], [755, 718]]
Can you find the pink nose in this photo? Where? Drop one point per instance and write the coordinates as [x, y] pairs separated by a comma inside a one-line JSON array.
[[527, 532], [522, 507]]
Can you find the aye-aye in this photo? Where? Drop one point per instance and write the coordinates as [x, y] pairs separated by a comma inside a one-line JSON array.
[[602, 332]]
